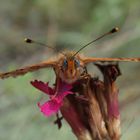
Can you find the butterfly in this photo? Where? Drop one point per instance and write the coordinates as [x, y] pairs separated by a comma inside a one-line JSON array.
[[68, 65]]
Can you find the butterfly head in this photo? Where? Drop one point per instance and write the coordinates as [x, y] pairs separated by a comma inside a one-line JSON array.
[[71, 68]]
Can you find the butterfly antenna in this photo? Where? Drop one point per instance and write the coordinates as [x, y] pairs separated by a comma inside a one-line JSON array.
[[28, 40], [114, 30]]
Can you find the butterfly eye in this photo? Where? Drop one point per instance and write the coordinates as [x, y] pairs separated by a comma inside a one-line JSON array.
[[77, 63], [65, 64]]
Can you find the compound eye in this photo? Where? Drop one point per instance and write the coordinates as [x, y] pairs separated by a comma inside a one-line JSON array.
[[77, 63], [65, 64]]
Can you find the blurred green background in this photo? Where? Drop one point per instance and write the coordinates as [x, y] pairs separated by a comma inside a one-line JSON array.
[[65, 24]]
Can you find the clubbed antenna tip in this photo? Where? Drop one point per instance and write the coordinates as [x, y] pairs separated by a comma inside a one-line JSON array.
[[27, 40], [114, 30]]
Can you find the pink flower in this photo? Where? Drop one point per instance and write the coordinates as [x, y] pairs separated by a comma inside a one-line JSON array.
[[56, 96]]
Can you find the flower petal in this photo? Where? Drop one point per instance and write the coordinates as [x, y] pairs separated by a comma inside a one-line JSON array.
[[49, 108], [44, 87], [63, 87], [63, 90], [56, 96], [60, 96]]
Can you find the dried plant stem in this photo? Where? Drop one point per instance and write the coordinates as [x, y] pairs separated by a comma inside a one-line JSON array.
[[72, 117], [96, 115]]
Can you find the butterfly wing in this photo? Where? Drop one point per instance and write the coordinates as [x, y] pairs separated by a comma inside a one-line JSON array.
[[27, 69], [92, 59]]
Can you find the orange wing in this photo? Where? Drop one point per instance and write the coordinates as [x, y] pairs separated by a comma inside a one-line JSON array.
[[24, 70], [89, 60]]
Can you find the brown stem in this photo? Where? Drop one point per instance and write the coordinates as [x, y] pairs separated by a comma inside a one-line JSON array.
[[73, 118]]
